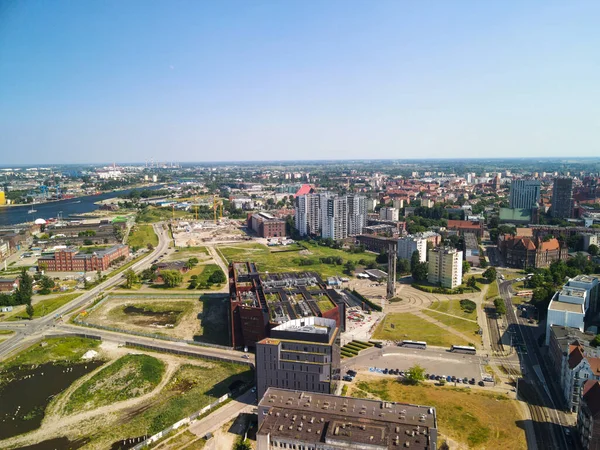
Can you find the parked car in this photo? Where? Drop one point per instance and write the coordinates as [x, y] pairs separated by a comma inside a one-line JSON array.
[[452, 378], [352, 373], [481, 383], [472, 381], [448, 378], [465, 380], [347, 378], [385, 371]]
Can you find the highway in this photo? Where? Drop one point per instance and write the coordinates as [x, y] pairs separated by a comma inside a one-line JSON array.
[[548, 424]]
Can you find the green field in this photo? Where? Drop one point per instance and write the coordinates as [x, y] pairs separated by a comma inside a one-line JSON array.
[[478, 420], [280, 260], [464, 326], [44, 307], [142, 235], [399, 326], [153, 214], [128, 377], [453, 307], [177, 310], [492, 291]]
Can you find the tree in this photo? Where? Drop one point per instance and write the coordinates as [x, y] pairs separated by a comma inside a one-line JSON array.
[[350, 267], [596, 341], [24, 292], [217, 277], [414, 375], [403, 266], [130, 278], [593, 250], [29, 310], [150, 246], [242, 444], [420, 271], [500, 306], [466, 267], [46, 284], [171, 278], [472, 282], [490, 274], [88, 242], [414, 259]]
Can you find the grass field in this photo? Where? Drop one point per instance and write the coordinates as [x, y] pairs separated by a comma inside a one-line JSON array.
[[142, 235], [399, 326], [57, 349], [464, 326], [492, 291], [44, 307], [155, 214], [6, 332], [176, 309], [453, 307], [477, 419], [129, 377], [281, 260], [203, 272], [187, 253]]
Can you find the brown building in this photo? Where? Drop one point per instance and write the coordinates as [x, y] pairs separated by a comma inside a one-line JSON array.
[[266, 226], [289, 419], [526, 252], [260, 302], [589, 412], [466, 226], [70, 260], [376, 244], [8, 284]]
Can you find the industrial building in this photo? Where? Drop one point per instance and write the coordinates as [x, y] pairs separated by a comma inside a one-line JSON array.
[[266, 225], [445, 267], [260, 302], [71, 260], [291, 419], [301, 354]]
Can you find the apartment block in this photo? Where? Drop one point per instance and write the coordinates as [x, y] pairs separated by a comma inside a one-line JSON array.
[[308, 214], [301, 420], [334, 217], [445, 267], [302, 354], [387, 213], [587, 428], [562, 198], [357, 214], [524, 194], [409, 244]]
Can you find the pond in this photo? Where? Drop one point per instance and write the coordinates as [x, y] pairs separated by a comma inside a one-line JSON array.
[[23, 400]]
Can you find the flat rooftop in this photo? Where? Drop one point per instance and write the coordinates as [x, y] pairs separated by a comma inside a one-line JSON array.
[[584, 278], [564, 306], [573, 292]]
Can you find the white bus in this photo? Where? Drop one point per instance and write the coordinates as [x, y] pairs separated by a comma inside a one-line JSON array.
[[414, 344], [463, 349]]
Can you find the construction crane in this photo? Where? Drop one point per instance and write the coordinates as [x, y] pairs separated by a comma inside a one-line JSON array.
[[217, 203]]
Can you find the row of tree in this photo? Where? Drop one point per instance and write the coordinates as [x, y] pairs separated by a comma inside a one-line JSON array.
[[22, 295]]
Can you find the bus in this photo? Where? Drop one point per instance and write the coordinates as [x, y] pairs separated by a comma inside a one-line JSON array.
[[463, 349], [414, 344]]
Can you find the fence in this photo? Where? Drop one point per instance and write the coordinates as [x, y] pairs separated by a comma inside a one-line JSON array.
[[186, 353], [81, 335], [188, 420]]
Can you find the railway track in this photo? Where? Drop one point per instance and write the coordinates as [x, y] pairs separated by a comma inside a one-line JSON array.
[[541, 427], [495, 340]]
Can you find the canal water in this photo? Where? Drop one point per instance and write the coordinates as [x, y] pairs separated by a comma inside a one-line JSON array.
[[23, 400], [13, 215]]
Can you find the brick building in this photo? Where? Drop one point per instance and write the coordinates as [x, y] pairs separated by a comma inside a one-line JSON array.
[[8, 284], [466, 226], [266, 226], [527, 252], [70, 260]]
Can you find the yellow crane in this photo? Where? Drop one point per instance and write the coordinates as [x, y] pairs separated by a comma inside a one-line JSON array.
[[217, 206]]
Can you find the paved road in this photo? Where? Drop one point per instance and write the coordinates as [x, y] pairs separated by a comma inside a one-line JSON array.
[[25, 330], [550, 433]]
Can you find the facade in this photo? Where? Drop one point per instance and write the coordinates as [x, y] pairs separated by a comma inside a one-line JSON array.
[[374, 243], [591, 285], [387, 213], [308, 421], [334, 217], [8, 284], [308, 214], [471, 249], [357, 214], [567, 308], [528, 252], [70, 260], [266, 225], [445, 267], [302, 354], [261, 302], [524, 194], [587, 428], [466, 226], [562, 198], [589, 239], [409, 244]]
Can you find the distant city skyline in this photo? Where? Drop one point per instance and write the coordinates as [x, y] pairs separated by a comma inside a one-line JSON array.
[[85, 82]]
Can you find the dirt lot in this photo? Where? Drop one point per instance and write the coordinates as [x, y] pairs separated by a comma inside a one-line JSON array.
[[194, 234]]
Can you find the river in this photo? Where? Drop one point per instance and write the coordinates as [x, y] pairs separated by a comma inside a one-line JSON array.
[[13, 215]]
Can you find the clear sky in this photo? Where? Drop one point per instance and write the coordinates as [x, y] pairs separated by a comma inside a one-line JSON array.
[[126, 80]]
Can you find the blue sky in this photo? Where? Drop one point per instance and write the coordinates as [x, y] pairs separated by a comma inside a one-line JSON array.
[[84, 81]]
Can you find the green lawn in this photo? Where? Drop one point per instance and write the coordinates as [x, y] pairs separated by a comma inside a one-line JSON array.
[[44, 307], [492, 291], [399, 326], [142, 235], [207, 271], [464, 326], [129, 377], [153, 214], [279, 260], [453, 307]]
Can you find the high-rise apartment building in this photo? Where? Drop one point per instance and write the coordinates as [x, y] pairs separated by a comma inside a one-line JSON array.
[[524, 194], [562, 198], [301, 354], [445, 267], [387, 213], [308, 214], [357, 214], [334, 217], [408, 244]]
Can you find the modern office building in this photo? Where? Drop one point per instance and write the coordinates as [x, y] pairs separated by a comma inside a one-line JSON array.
[[387, 213], [407, 245], [562, 198], [308, 214], [334, 217], [302, 354], [445, 267], [524, 194], [309, 421], [357, 214], [567, 308]]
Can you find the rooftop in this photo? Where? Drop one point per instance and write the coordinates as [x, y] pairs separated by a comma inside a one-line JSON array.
[[573, 292], [568, 307], [584, 279], [313, 325]]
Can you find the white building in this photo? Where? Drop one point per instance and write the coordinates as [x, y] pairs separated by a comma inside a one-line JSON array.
[[445, 267], [398, 203], [589, 239], [357, 214], [408, 244], [308, 214], [387, 213], [371, 203], [427, 203], [567, 308], [524, 194], [334, 217]]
